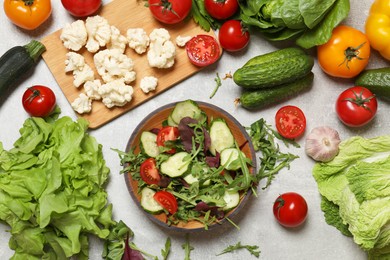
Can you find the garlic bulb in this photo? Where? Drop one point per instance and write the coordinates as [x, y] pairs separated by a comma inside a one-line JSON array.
[[322, 144]]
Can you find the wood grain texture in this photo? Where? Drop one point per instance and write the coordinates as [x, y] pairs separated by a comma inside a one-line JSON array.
[[124, 14]]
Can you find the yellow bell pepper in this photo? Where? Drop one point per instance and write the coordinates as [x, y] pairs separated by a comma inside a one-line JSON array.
[[378, 27]]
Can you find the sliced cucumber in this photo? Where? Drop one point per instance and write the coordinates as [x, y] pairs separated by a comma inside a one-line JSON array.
[[176, 165], [148, 203], [149, 144], [232, 198], [191, 178], [170, 121], [230, 158], [187, 108], [221, 136]]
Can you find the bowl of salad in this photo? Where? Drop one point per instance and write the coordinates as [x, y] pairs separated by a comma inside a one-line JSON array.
[[190, 166]]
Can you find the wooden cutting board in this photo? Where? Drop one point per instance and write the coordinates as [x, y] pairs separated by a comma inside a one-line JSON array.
[[124, 14]]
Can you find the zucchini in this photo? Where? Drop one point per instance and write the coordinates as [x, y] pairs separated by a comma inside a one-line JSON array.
[[264, 97], [376, 80], [148, 203], [220, 135], [16, 62], [148, 144], [273, 73], [275, 55]]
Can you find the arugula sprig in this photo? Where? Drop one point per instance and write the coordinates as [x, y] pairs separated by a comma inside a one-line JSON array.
[[253, 250]]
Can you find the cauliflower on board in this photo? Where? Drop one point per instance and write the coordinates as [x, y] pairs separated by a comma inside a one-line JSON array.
[[116, 93], [138, 39], [148, 83], [82, 104], [182, 40], [74, 61], [118, 41], [162, 51], [74, 35], [83, 75], [99, 33], [92, 89], [112, 65]]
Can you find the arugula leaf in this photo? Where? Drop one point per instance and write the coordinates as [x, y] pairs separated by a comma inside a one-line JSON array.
[[253, 250], [219, 84], [165, 252], [187, 248]]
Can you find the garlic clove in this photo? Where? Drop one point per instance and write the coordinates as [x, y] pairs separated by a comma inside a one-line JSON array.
[[322, 143]]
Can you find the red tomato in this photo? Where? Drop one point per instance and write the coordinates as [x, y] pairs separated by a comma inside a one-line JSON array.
[[149, 172], [166, 200], [167, 133], [290, 209], [221, 9], [170, 11], [290, 122], [356, 106], [39, 101], [233, 36], [81, 8], [203, 50]]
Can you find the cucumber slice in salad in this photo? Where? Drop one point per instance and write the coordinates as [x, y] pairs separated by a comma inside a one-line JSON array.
[[176, 165], [230, 158], [221, 136], [148, 203], [149, 144], [187, 108], [232, 198]]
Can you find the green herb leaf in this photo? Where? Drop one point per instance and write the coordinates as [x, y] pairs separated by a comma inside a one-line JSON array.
[[165, 252], [187, 248], [253, 250], [219, 83]]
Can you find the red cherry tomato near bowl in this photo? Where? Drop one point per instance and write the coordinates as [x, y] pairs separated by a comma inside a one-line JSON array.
[[290, 209], [203, 50], [39, 101], [233, 36], [290, 122], [167, 133], [149, 172], [170, 11], [356, 106], [221, 9], [166, 200], [81, 8]]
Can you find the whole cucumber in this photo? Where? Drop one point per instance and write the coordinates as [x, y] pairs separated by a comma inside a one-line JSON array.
[[275, 55], [263, 97], [376, 80], [273, 73]]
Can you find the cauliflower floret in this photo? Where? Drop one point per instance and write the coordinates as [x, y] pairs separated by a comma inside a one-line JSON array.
[[118, 41], [148, 83], [116, 93], [74, 35], [99, 33], [112, 65], [74, 61], [138, 39], [92, 89], [162, 51], [83, 75], [82, 104], [182, 40]]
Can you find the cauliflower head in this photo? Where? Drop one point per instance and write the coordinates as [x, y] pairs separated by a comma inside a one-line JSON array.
[[74, 35], [99, 33], [74, 61], [138, 40], [116, 93], [118, 41], [83, 75], [82, 104], [91, 89], [162, 51], [148, 83], [112, 65]]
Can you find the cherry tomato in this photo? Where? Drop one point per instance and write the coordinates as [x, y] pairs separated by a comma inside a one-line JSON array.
[[290, 122], [203, 50], [221, 9], [166, 200], [28, 15], [167, 133], [39, 101], [149, 172], [81, 8], [170, 11], [346, 54], [233, 36], [356, 106], [290, 209]]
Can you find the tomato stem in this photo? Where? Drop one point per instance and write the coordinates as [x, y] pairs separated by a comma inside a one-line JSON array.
[[351, 53], [28, 2], [167, 6], [359, 100], [35, 93]]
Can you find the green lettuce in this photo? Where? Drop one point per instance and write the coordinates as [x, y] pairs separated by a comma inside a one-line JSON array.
[[355, 189]]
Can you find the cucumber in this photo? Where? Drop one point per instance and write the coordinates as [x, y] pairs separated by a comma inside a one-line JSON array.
[[232, 198], [148, 144], [264, 97], [187, 108], [275, 55], [376, 80], [176, 165], [148, 203], [273, 73], [220, 135], [230, 159]]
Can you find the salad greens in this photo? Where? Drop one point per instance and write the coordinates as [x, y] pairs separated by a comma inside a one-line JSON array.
[[253, 250], [355, 189]]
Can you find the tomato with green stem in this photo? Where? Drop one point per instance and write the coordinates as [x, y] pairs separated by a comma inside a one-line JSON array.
[[167, 201], [221, 9], [233, 36], [356, 106], [170, 11], [290, 122], [39, 101], [290, 209]]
